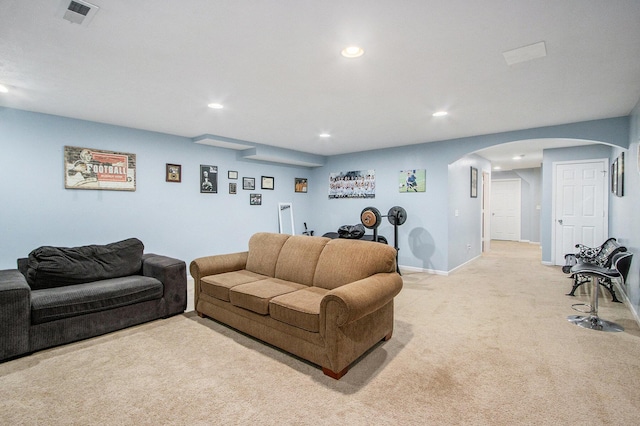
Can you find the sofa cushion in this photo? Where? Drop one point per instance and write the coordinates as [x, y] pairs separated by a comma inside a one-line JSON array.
[[264, 249], [218, 285], [63, 302], [299, 257], [49, 267], [255, 296], [300, 308], [344, 261]]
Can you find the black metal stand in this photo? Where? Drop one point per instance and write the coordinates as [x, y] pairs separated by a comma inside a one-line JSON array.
[[395, 245], [578, 280]]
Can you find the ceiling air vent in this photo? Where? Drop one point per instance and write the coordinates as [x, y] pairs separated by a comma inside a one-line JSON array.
[[77, 11]]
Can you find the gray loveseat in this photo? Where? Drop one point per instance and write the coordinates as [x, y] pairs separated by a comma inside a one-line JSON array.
[[61, 295]]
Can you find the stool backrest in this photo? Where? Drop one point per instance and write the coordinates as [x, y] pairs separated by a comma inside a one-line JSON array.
[[621, 261]]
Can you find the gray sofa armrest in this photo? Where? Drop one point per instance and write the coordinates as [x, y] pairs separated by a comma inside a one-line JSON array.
[[15, 313], [173, 275]]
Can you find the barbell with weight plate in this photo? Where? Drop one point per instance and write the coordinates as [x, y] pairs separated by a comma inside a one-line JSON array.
[[397, 215], [371, 217]]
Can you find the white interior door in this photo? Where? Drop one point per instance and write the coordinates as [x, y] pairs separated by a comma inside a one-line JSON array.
[[505, 209], [580, 206]]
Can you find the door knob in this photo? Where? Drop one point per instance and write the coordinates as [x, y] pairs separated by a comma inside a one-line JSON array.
[[560, 221]]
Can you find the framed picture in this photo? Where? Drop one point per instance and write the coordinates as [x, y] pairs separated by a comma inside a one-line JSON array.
[[614, 177], [255, 199], [232, 174], [617, 176], [412, 180], [267, 182], [174, 173], [249, 183], [621, 175], [208, 179], [352, 184], [474, 182], [233, 188], [87, 168], [300, 184]]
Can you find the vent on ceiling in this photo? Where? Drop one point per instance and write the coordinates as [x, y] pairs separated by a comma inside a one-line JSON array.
[[526, 53], [77, 11]]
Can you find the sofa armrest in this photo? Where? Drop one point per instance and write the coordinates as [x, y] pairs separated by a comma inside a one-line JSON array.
[[357, 299], [218, 264], [173, 275], [15, 313]]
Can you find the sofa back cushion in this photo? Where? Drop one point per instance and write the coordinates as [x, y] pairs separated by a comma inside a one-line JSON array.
[[264, 249], [49, 266], [343, 261], [299, 257]]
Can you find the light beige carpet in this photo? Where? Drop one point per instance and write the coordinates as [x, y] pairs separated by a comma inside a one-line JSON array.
[[487, 345]]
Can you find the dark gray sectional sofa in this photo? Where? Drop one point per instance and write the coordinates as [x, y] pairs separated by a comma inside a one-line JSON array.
[[61, 295]]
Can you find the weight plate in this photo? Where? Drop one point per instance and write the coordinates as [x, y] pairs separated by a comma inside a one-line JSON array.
[[370, 217], [397, 214]]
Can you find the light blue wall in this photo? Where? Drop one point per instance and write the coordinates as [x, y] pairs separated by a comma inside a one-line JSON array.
[[530, 202], [465, 212], [175, 219], [170, 218], [423, 237], [623, 218]]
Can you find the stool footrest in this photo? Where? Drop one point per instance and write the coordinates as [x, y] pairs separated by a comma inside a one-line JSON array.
[[589, 309]]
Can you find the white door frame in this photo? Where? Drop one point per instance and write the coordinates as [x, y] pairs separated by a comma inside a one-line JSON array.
[[554, 166], [519, 180], [485, 234]]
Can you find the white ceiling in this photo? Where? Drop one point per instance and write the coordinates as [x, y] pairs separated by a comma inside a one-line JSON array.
[[276, 67]]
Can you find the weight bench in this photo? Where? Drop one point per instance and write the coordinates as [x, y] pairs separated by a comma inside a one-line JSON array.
[[601, 257], [620, 264]]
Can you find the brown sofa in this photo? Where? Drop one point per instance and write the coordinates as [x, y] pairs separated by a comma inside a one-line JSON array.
[[325, 300]]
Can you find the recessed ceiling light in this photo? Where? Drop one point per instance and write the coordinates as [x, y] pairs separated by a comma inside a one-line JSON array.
[[215, 106], [497, 168], [518, 157], [3, 88], [352, 52], [325, 135], [440, 113]]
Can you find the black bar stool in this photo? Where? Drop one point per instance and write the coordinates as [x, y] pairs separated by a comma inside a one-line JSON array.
[[620, 264]]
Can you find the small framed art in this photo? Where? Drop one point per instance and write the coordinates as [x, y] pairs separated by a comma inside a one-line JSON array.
[[173, 173], [617, 176], [474, 182], [209, 179], [249, 183], [232, 174], [233, 188], [267, 182], [255, 199], [413, 180], [300, 184]]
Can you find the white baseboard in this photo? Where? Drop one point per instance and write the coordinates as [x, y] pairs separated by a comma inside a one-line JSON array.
[[428, 271], [627, 302], [435, 271], [465, 263]]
